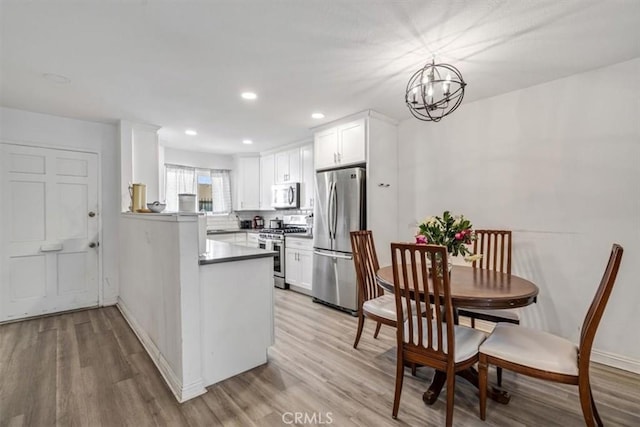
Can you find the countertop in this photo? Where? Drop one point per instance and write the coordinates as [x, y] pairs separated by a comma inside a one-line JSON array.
[[218, 252], [300, 235], [235, 230]]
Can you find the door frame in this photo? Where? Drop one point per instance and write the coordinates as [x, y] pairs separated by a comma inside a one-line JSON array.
[[98, 153]]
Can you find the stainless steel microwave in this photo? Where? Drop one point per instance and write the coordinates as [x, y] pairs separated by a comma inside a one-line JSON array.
[[285, 196]]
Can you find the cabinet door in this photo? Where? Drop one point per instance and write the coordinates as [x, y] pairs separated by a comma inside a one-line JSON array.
[[352, 143], [294, 165], [267, 176], [308, 175], [291, 267], [305, 260], [248, 194], [325, 148], [282, 167]]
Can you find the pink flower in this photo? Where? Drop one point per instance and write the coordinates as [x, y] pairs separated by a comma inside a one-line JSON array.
[[421, 240], [459, 236]]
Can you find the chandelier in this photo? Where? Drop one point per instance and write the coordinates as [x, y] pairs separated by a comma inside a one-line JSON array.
[[434, 91]]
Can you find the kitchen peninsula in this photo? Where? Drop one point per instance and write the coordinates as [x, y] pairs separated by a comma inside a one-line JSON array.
[[202, 318]]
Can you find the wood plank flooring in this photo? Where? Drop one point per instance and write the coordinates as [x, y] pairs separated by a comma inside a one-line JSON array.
[[88, 369]]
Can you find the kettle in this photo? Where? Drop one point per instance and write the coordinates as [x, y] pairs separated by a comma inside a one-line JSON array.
[[138, 193], [258, 222]]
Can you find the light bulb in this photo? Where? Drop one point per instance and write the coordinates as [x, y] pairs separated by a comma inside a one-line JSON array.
[[430, 91]]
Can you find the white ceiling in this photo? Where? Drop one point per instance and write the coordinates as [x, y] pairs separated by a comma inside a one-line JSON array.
[[183, 64]]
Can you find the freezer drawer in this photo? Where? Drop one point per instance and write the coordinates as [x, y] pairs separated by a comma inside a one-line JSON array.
[[334, 279]]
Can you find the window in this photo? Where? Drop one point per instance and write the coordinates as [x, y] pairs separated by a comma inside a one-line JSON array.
[[212, 187]]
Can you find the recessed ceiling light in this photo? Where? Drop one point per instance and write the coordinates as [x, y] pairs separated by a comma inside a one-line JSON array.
[[247, 141], [317, 116], [248, 95], [191, 132], [56, 78]]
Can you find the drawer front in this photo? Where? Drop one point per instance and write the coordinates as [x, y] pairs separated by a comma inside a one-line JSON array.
[[304, 244]]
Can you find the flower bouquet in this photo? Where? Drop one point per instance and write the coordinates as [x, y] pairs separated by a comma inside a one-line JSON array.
[[454, 232]]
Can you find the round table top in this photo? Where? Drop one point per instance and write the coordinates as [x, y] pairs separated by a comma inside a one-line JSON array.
[[479, 288]]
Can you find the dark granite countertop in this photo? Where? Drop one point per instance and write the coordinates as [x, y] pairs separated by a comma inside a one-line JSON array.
[[218, 252]]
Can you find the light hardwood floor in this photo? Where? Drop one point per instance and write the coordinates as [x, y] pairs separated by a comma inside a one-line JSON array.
[[88, 369]]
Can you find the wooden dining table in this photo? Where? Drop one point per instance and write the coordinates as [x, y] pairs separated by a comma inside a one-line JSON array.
[[474, 288]]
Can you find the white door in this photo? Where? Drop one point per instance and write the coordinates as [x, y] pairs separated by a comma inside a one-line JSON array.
[[326, 149], [49, 218], [291, 267], [267, 173], [308, 175], [294, 165], [352, 143], [282, 167], [305, 259]]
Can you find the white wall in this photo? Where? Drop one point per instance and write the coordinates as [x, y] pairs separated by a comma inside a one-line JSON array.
[[57, 132], [197, 159], [558, 163]]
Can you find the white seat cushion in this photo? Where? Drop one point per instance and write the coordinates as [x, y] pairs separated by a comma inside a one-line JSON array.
[[467, 339], [531, 347], [383, 306], [506, 313]]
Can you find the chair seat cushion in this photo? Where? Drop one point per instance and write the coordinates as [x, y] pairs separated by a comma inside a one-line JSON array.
[[531, 347], [383, 306], [467, 339], [506, 313]]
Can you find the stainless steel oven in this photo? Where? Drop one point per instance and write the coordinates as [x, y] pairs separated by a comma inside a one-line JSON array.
[[275, 242]]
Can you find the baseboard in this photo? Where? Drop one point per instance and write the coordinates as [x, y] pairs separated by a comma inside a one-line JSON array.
[[616, 361], [182, 392]]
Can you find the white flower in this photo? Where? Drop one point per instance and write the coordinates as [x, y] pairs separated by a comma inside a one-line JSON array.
[[472, 258], [457, 221]]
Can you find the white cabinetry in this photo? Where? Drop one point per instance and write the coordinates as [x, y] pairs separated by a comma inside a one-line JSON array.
[[299, 263], [307, 185], [288, 166], [252, 240], [372, 138], [342, 145], [247, 183], [267, 175]]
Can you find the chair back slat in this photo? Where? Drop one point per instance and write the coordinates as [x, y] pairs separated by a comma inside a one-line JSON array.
[[421, 271], [365, 260], [596, 310], [495, 248]]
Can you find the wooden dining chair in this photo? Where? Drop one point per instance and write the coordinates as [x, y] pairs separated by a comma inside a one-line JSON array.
[[495, 248], [546, 356], [426, 333], [372, 301]]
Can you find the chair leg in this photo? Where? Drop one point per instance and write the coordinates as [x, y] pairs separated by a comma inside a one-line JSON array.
[[499, 372], [596, 415], [586, 402], [399, 379], [359, 333], [482, 385], [451, 392], [414, 368], [375, 335], [473, 322]]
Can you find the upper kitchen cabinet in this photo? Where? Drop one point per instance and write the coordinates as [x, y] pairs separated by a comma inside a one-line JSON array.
[[267, 179], [307, 185], [288, 166], [247, 188], [342, 145]]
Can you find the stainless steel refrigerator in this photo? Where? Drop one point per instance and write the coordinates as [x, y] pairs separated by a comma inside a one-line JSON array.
[[339, 209]]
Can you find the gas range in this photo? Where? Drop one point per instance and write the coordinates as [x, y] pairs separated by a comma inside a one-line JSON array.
[[279, 233]]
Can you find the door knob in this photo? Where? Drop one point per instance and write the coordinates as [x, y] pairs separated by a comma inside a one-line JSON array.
[[92, 214], [94, 245]]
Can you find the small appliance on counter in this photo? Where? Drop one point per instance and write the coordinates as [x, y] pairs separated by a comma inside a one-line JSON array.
[[246, 224], [275, 224], [187, 202], [258, 222]]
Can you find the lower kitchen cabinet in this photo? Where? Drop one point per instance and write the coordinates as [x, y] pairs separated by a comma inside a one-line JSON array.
[[299, 264]]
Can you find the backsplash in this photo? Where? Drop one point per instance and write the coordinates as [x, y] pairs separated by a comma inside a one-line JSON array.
[[232, 221], [268, 215]]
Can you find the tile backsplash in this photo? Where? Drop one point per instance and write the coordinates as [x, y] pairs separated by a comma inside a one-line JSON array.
[[232, 221]]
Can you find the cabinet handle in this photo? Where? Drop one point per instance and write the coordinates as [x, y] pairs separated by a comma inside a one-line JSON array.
[[335, 158], [242, 204], [383, 185], [338, 154], [311, 202]]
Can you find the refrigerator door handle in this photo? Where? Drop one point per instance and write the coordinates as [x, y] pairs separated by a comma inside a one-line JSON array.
[[330, 210], [335, 209], [333, 255]]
